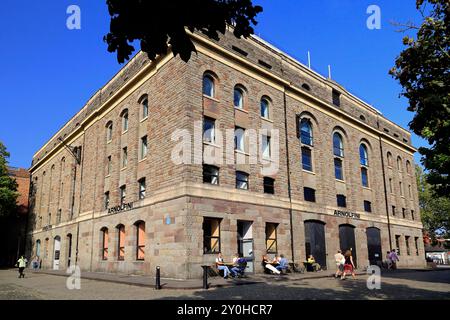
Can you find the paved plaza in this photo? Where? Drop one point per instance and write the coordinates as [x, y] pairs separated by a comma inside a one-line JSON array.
[[402, 284]]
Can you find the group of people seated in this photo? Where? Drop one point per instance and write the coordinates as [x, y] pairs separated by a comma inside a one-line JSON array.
[[234, 269], [276, 266]]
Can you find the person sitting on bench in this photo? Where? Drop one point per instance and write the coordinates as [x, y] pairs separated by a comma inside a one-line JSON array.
[[283, 264], [267, 264], [316, 267], [239, 268], [220, 266]]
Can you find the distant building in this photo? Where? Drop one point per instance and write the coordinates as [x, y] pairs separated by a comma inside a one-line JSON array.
[[12, 234]]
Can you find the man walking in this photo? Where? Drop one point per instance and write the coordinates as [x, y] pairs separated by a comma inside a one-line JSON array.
[[394, 259], [22, 263]]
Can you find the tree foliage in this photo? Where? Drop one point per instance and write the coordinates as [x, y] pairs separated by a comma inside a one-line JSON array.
[[434, 210], [423, 70], [158, 24], [8, 186]]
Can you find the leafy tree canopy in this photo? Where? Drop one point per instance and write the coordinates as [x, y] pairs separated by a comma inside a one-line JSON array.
[[423, 70], [434, 210], [8, 186], [158, 24]]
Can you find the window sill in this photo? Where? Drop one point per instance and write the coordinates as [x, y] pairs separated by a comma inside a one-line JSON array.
[[108, 176], [241, 109], [125, 132], [367, 188], [123, 169], [144, 119], [309, 172], [211, 98], [241, 152], [142, 160], [266, 119], [339, 180], [108, 142], [211, 144]]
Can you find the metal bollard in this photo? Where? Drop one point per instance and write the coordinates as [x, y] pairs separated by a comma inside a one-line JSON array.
[[158, 278], [205, 277]]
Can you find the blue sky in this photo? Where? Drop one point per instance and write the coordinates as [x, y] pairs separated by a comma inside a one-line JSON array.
[[48, 72]]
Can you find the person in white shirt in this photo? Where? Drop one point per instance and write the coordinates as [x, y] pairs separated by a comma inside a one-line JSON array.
[[340, 261], [220, 266], [267, 264]]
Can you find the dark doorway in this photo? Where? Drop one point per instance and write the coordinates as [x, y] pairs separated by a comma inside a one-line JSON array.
[[374, 246], [245, 243], [347, 240], [315, 242]]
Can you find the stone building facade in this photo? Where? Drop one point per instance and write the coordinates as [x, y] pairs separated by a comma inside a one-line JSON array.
[[125, 186]]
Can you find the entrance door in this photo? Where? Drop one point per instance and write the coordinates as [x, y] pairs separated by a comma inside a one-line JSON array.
[[374, 246], [315, 242], [56, 253], [347, 240], [245, 243]]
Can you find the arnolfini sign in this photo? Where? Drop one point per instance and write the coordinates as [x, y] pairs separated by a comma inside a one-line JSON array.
[[347, 214], [123, 207]]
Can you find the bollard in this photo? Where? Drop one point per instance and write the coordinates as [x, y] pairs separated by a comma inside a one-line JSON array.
[[158, 278], [205, 277]]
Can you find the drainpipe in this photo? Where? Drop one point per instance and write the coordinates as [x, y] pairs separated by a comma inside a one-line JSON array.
[[288, 174], [385, 194]]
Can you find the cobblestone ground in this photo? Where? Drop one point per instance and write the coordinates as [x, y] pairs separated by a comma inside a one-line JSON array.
[[399, 285]]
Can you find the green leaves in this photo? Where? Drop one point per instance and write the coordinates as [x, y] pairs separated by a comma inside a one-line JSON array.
[[8, 186], [423, 70], [158, 24]]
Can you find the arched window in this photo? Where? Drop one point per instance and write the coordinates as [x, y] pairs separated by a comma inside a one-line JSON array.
[[363, 155], [265, 108], [109, 131], [399, 163], [121, 242], [389, 159], [140, 240], [238, 98], [144, 106], [208, 86], [306, 87], [306, 133], [408, 167], [338, 145], [104, 239], [125, 121]]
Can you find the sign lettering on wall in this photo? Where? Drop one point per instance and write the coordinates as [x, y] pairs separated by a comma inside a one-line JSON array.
[[347, 214], [124, 207]]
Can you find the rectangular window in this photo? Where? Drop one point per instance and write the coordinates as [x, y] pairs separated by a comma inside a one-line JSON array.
[[393, 211], [341, 201], [397, 244], [404, 213], [336, 98], [121, 243], [142, 188], [412, 215], [108, 166], [271, 238], [105, 244], [408, 251], [123, 195], [125, 123], [401, 188], [410, 191], [367, 206], [266, 147], [109, 132], [140, 241], [124, 157], [309, 194], [211, 235], [416, 242], [106, 200], [58, 216], [307, 159], [210, 174], [390, 185], [364, 177], [269, 187], [144, 147], [241, 180], [338, 169], [209, 127]]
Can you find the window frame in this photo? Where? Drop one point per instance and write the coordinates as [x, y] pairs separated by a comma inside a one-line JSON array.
[[144, 147], [120, 248], [212, 91], [211, 236], [123, 194], [337, 170], [142, 191], [306, 137], [304, 153], [264, 101], [341, 201], [274, 241], [212, 131], [309, 191], [240, 105], [367, 206], [205, 168], [140, 248], [269, 185], [105, 244], [245, 181]]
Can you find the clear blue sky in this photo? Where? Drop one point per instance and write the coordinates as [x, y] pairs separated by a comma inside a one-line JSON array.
[[48, 72]]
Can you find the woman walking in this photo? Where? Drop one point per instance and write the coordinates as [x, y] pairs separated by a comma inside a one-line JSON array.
[[349, 266]]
